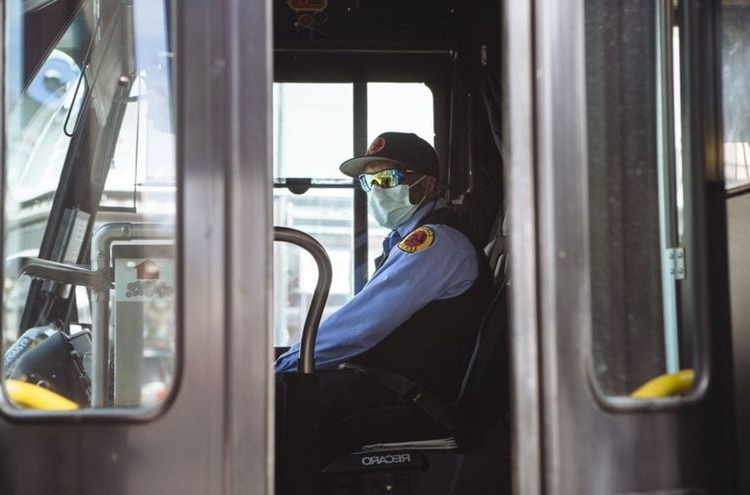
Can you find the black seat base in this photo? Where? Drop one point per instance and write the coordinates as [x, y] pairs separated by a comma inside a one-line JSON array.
[[417, 472]]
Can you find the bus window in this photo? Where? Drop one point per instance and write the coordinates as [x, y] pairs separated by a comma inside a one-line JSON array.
[[35, 156], [643, 325], [313, 134], [736, 98], [141, 175], [312, 125], [90, 210], [327, 216]]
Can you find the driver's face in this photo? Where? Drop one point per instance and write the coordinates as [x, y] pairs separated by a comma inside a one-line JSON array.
[[416, 194]]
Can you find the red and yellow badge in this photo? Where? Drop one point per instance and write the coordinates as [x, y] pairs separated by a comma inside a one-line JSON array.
[[376, 146], [419, 239]]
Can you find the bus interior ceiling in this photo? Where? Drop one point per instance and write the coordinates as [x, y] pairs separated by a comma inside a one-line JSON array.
[[450, 46]]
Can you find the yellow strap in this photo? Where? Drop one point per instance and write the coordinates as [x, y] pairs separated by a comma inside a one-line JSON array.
[[34, 397], [678, 383]]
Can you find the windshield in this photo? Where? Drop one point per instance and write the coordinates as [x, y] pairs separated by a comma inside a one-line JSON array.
[[37, 146]]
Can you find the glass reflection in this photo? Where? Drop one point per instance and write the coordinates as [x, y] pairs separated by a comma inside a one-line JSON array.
[[89, 204]]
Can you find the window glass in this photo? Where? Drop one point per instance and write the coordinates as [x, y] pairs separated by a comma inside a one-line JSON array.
[[89, 204], [325, 214], [313, 135], [312, 124], [636, 200], [140, 179], [37, 146], [736, 92], [400, 107], [36, 151]]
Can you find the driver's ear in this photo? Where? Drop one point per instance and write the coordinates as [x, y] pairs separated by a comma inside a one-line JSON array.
[[430, 186]]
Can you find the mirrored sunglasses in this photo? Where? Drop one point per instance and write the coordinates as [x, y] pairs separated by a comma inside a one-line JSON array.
[[383, 179]]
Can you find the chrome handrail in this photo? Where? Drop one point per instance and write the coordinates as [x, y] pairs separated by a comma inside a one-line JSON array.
[[52, 270], [101, 244], [306, 362]]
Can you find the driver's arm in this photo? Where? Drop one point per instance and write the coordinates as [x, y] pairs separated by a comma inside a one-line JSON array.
[[405, 283]]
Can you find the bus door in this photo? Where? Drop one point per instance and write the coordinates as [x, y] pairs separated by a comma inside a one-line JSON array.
[[136, 247], [623, 378], [735, 64]]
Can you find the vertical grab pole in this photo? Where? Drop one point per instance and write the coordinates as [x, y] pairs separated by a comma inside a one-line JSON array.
[[100, 260], [667, 177]]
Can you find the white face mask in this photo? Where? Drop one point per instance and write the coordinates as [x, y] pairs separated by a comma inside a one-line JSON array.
[[391, 207]]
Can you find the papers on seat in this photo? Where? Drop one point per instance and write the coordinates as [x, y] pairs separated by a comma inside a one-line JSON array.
[[436, 444]]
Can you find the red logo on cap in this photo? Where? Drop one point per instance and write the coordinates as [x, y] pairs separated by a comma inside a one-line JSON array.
[[376, 146]]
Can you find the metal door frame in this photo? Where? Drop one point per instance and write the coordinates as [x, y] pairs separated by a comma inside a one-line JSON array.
[[214, 434], [226, 124], [565, 440]]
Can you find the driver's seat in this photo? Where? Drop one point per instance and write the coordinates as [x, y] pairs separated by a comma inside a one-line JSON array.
[[474, 456]]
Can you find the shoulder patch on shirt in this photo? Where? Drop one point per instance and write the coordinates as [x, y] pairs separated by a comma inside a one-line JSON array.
[[417, 240]]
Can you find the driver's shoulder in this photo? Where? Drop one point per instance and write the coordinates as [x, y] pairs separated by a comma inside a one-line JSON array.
[[435, 237]]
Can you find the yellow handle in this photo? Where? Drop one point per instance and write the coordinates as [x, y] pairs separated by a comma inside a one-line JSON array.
[[678, 383], [34, 397]]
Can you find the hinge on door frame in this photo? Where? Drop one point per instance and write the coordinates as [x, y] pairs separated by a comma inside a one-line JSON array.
[[677, 262]]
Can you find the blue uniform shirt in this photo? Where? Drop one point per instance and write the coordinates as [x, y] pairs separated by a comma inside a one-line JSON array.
[[417, 270]]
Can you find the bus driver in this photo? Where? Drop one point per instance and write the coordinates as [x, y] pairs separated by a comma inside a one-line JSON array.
[[419, 313]]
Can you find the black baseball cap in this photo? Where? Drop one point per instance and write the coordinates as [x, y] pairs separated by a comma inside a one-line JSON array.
[[405, 149]]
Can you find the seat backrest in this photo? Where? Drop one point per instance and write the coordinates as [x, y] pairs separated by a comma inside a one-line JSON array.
[[497, 250], [485, 385], [485, 394]]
